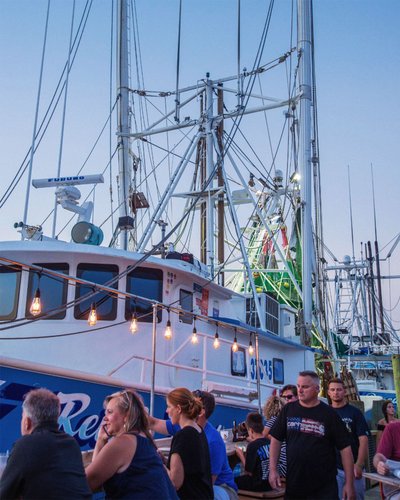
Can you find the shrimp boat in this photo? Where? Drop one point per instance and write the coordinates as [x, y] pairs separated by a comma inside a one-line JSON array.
[[204, 273], [366, 340]]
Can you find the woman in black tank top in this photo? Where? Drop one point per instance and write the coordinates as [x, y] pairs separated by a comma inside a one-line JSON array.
[[125, 459]]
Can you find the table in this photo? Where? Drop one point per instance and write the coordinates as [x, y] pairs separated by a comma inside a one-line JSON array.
[[231, 447], [386, 480]]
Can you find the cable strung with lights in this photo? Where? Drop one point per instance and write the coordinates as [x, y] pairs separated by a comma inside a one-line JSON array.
[[168, 329], [36, 306], [216, 342], [235, 346], [251, 348], [93, 316], [195, 338]]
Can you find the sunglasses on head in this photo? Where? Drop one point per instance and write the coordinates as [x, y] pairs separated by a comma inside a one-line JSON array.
[[198, 394]]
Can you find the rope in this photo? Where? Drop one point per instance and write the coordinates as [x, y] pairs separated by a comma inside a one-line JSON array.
[[178, 60], [50, 109], [32, 149]]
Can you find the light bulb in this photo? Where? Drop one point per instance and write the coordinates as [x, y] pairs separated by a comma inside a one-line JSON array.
[[216, 343], [235, 346], [168, 330], [92, 318], [251, 348], [195, 338], [36, 306], [133, 326]]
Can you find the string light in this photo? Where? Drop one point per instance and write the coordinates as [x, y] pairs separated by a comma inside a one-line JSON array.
[[235, 346], [36, 309], [216, 343], [251, 348], [134, 324], [195, 338], [168, 330], [92, 318], [36, 306]]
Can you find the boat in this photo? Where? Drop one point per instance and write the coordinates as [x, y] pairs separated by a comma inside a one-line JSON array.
[[366, 339], [94, 300]]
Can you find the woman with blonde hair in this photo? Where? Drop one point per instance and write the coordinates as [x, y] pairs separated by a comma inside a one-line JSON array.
[[272, 407], [125, 459], [189, 459]]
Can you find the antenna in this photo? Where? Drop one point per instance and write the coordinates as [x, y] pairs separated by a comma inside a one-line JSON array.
[[373, 201], [351, 213]]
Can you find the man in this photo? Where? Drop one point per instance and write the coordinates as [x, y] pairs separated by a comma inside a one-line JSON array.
[[358, 430], [44, 462], [388, 448], [312, 431], [222, 476], [289, 393]]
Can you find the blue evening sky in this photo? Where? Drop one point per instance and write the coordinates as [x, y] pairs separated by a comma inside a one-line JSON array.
[[357, 48]]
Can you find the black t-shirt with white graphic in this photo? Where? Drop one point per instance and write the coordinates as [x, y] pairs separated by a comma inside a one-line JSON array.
[[312, 436], [356, 426]]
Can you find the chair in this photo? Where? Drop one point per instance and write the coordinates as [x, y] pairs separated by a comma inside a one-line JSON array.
[[246, 494]]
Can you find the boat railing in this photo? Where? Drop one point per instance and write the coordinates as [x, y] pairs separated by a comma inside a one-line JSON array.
[[212, 379]]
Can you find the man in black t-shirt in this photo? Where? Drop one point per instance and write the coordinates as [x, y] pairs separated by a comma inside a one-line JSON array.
[[256, 463], [312, 431], [358, 431], [45, 462]]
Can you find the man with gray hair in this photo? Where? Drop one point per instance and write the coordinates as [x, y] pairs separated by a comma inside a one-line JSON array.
[[312, 431], [44, 462]]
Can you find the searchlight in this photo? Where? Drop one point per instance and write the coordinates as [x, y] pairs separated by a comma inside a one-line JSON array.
[[87, 233]]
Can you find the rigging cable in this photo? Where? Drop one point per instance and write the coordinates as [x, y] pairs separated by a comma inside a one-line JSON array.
[[178, 60], [60, 152], [111, 107], [50, 109], [32, 149]]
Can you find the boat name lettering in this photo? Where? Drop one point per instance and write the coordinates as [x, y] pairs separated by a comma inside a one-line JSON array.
[[75, 404], [265, 369]]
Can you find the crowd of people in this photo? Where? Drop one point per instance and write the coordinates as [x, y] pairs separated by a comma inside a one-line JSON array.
[[315, 450]]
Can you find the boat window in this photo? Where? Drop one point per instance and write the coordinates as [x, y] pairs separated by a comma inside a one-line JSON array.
[[53, 291], [106, 305], [238, 362], [278, 371], [10, 279], [145, 282], [186, 303]]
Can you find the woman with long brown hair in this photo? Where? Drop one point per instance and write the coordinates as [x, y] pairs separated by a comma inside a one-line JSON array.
[[389, 415], [125, 459], [189, 460]]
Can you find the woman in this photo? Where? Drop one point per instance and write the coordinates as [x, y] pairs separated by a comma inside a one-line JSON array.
[[271, 409], [389, 414], [189, 458], [125, 459]]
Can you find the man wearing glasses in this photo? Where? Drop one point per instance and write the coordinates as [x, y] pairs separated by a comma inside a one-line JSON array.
[[289, 393]]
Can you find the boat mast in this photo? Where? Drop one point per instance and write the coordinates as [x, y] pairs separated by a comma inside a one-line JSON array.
[[123, 122], [305, 159], [209, 168]]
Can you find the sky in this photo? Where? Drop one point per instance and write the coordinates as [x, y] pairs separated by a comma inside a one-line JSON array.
[[357, 51]]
